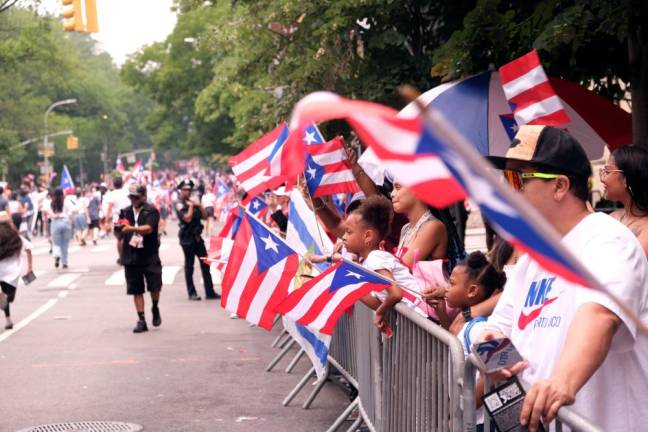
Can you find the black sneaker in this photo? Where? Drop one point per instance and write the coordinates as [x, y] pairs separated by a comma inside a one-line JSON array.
[[213, 296], [157, 319], [194, 297], [140, 327], [9, 324], [65, 266], [57, 261]]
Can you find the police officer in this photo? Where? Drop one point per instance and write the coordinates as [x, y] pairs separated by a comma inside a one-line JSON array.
[[190, 213]]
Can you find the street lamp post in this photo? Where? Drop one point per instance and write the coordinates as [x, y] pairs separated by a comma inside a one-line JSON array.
[[45, 151]]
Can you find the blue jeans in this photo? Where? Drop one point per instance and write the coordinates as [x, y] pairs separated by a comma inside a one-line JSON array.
[[61, 234]]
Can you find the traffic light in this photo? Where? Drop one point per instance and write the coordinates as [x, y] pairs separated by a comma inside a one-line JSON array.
[[72, 142], [73, 11], [91, 16]]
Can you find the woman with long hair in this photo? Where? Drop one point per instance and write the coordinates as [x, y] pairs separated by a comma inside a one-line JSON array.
[[11, 246], [61, 227], [625, 177]]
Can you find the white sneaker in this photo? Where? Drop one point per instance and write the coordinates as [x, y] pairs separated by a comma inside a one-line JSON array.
[[233, 316]]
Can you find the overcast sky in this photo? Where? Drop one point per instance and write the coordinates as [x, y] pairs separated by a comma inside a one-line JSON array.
[[127, 25]]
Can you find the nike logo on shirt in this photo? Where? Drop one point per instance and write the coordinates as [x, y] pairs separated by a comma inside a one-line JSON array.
[[525, 319]]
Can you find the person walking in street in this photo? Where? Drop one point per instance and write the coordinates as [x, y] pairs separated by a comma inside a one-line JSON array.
[[116, 200], [12, 244], [62, 210], [138, 225], [190, 213]]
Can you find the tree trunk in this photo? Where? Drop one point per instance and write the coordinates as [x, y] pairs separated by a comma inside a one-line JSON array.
[[638, 62]]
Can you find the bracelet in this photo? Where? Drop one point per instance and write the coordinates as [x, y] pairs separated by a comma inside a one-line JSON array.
[[329, 259]]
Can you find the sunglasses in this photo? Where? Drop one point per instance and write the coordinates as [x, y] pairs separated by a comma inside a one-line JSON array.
[[516, 178], [605, 171]]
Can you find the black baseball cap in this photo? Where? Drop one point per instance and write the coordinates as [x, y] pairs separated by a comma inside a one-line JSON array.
[[549, 148], [136, 190]]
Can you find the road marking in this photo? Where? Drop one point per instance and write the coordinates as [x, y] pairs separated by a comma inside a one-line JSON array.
[[63, 294], [63, 281], [73, 249], [22, 324], [169, 274], [101, 248], [116, 278], [164, 246]]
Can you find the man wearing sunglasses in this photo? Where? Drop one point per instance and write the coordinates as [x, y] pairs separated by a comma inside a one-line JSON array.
[[141, 258], [578, 345]]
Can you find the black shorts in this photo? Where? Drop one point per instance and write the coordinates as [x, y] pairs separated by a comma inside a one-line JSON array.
[[9, 290], [137, 274], [210, 211], [94, 223]]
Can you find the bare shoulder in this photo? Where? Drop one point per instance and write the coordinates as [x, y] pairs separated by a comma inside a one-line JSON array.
[[617, 214], [432, 228]]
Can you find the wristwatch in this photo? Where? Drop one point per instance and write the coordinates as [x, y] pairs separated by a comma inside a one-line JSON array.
[[329, 258], [466, 314]]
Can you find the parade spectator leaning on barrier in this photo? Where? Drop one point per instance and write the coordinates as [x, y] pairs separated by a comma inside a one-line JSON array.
[[625, 177], [579, 346]]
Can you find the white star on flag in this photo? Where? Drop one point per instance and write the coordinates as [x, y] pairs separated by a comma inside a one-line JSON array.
[[270, 244], [309, 137], [311, 171], [514, 127], [353, 274], [255, 204]]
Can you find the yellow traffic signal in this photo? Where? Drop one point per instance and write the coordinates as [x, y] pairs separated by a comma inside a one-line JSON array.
[[72, 142], [91, 16], [72, 12]]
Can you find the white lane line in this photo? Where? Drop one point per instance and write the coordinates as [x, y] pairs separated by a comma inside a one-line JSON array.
[[169, 274], [63, 294], [164, 246], [116, 278], [72, 249], [39, 273], [63, 281], [101, 248], [22, 324]]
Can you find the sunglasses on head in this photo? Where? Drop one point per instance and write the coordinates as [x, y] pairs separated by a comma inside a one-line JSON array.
[[516, 178]]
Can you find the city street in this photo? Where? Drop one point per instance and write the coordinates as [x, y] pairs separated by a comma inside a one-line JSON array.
[[72, 356]]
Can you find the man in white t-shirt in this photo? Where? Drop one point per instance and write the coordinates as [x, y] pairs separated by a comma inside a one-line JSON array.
[[116, 200], [580, 347]]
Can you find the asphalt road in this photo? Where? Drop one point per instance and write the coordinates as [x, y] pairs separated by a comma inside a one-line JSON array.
[[72, 356]]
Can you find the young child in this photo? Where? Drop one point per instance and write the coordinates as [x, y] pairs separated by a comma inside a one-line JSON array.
[[472, 281]]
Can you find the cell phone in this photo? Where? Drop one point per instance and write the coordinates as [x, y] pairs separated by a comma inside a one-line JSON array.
[[496, 354], [504, 405], [29, 278]]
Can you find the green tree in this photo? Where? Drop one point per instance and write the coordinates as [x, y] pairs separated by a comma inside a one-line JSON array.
[[598, 43]]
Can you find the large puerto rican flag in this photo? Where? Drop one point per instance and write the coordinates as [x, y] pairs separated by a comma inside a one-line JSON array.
[[530, 93], [251, 166], [320, 302], [448, 168], [259, 272], [327, 170]]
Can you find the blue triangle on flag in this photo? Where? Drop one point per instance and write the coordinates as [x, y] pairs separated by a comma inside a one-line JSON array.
[[270, 249], [312, 135], [348, 274], [314, 174], [509, 124]]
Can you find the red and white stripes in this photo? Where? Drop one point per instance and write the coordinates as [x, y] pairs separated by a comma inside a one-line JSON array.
[[527, 88]]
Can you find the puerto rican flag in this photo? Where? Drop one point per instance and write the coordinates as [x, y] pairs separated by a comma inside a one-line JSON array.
[[530, 94], [327, 169], [440, 167], [232, 223], [219, 252], [222, 192], [313, 136], [264, 266], [67, 184], [286, 160], [320, 302], [252, 164], [257, 207]]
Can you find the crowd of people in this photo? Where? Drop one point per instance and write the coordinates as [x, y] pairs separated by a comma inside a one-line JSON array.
[[578, 345]]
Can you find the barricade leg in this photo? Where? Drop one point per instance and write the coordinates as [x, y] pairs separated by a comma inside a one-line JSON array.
[[356, 424], [275, 343], [279, 356], [294, 361], [300, 385], [344, 415], [318, 387]]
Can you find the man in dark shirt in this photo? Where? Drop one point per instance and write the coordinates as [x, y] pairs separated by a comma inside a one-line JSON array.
[[141, 259], [190, 213]]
